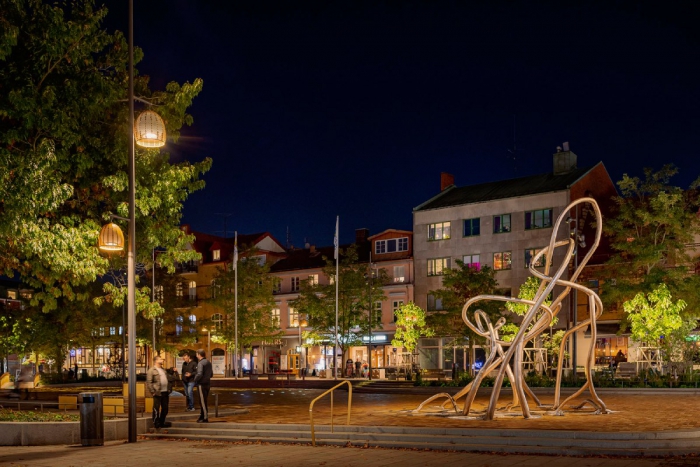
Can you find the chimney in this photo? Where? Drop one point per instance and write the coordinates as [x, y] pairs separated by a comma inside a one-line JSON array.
[[312, 249], [446, 180], [564, 159], [361, 236]]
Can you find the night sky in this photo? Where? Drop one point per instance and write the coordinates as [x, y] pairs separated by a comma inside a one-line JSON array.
[[317, 109]]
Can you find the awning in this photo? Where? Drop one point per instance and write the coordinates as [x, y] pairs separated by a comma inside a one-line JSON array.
[[606, 330]]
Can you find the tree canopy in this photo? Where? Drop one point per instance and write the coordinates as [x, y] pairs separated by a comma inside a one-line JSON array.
[[64, 150]]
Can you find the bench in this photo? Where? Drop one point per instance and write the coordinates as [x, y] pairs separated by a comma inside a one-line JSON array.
[[433, 374], [626, 370]]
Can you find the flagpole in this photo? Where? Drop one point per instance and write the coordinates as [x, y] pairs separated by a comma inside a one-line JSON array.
[[235, 294], [336, 241]]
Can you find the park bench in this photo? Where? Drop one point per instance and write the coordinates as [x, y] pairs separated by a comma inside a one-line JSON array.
[[434, 374], [626, 370]]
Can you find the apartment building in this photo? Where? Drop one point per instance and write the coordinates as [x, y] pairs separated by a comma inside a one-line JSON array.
[[502, 224]]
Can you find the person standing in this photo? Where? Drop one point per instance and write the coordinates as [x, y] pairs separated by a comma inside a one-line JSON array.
[[189, 369], [75, 371], [159, 385], [203, 381]]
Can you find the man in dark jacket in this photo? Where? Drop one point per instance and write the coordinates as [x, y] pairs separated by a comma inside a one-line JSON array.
[[203, 381], [189, 369]]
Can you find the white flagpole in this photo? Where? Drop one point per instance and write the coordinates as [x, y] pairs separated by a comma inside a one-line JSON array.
[[336, 242], [235, 294]]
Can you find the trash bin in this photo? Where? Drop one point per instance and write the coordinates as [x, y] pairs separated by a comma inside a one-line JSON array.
[[92, 425]]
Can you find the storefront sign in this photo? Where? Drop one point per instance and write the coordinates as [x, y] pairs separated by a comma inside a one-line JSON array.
[[375, 338], [218, 364]]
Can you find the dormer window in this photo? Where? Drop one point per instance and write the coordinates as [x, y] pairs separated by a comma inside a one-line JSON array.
[[216, 255]]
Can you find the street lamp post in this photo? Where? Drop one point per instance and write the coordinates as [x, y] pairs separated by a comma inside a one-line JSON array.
[[151, 134], [208, 331], [369, 303]]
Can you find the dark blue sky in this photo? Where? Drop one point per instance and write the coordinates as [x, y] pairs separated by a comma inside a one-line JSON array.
[[317, 109]]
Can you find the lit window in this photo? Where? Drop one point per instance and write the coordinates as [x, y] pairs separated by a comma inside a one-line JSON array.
[[216, 255], [472, 261], [313, 279], [501, 223], [472, 227], [112, 330], [293, 318], [193, 324], [399, 273], [158, 294], [193, 290], [440, 231], [178, 325], [530, 253], [275, 316], [502, 260], [538, 219], [178, 289], [437, 266], [391, 245], [295, 284], [217, 321]]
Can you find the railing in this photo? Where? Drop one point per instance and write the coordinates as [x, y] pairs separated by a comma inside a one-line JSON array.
[[311, 408]]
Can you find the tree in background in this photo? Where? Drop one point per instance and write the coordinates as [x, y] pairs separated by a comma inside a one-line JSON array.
[[458, 286], [410, 326], [64, 146], [356, 294], [255, 302], [653, 224]]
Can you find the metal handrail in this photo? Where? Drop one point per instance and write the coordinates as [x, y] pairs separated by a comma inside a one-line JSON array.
[[311, 408]]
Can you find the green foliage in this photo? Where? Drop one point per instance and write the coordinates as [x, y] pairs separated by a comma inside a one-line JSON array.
[[356, 295], [652, 225], [255, 301], [7, 415], [410, 326], [64, 146], [459, 285], [654, 315]]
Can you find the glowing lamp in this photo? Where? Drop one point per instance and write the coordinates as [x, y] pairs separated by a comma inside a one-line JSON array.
[[111, 238], [149, 130]]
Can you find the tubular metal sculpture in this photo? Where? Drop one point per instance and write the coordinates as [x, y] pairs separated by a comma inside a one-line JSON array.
[[535, 321]]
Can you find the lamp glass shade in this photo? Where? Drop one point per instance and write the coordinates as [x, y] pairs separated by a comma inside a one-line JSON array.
[[149, 130], [111, 238]]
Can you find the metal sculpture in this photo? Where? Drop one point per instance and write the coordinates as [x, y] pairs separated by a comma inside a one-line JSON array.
[[535, 321]]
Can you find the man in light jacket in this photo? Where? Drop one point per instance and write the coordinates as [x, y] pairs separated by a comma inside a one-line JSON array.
[[159, 384], [203, 381]]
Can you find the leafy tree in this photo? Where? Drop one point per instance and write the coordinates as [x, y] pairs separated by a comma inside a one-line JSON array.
[[356, 294], [64, 146], [410, 326], [458, 286], [658, 321], [255, 302], [653, 223]]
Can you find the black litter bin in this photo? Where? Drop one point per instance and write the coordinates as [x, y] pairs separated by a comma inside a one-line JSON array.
[[92, 425]]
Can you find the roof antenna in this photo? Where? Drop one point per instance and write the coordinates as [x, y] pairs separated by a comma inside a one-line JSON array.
[[225, 215], [289, 239]]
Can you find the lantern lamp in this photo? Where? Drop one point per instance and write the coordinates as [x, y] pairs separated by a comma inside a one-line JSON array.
[[111, 238], [149, 130]]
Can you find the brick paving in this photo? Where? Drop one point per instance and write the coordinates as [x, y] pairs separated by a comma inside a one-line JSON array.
[[188, 453]]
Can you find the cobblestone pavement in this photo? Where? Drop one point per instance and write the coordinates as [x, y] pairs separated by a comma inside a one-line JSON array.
[[631, 412], [188, 453]]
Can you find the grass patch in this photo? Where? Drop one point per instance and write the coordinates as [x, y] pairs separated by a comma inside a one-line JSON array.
[[7, 415]]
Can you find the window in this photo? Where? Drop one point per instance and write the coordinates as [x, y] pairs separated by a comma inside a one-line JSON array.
[[275, 316], [293, 318], [112, 330], [436, 266], [313, 279], [377, 313], [193, 290], [472, 227], [501, 223], [178, 325], [260, 259], [216, 255], [193, 324], [439, 231], [538, 219], [399, 273], [395, 305], [295, 284], [158, 294], [530, 253], [391, 245], [331, 279], [276, 285], [502, 260], [434, 303], [473, 261], [178, 289], [217, 321]]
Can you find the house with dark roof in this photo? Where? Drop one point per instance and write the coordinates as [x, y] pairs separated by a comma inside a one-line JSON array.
[[502, 224]]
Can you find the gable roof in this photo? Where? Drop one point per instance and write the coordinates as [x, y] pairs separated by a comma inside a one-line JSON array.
[[502, 189]]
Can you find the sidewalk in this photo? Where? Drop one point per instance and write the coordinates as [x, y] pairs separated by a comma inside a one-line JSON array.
[[188, 453]]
